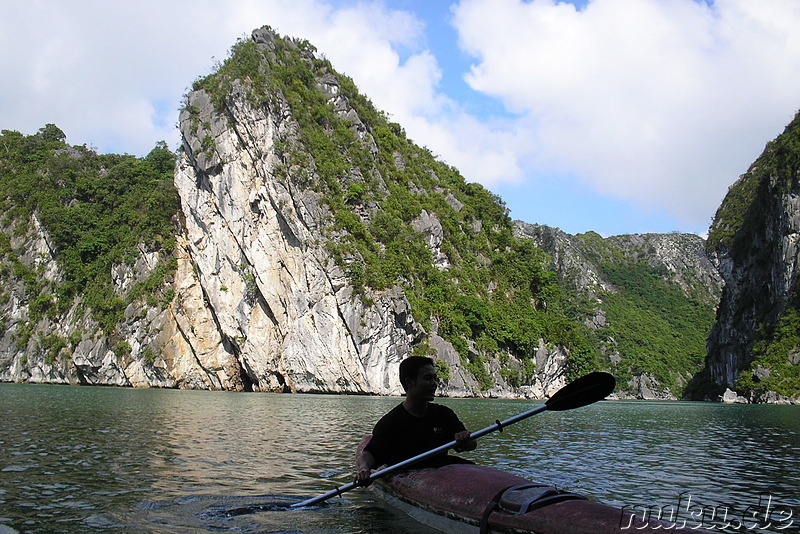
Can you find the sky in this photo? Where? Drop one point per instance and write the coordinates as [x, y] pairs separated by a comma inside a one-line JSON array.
[[614, 116]]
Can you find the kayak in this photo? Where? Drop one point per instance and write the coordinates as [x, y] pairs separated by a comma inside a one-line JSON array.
[[462, 498]]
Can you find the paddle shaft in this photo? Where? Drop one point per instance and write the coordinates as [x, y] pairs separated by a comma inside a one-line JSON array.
[[498, 425]]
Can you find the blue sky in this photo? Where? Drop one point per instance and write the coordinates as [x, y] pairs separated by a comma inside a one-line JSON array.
[[618, 116]]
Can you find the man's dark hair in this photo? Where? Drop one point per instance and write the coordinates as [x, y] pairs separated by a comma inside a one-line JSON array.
[[409, 368]]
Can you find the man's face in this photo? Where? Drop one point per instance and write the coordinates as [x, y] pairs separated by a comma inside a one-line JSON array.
[[424, 387]]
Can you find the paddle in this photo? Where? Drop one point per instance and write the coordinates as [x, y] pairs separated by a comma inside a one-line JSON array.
[[581, 392]]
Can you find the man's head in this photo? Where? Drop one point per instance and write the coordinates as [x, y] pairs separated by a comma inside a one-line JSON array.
[[410, 369]]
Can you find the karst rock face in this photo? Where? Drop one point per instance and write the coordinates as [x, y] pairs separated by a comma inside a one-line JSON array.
[[280, 314], [755, 241]]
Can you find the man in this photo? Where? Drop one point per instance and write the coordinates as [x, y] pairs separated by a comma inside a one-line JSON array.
[[415, 426]]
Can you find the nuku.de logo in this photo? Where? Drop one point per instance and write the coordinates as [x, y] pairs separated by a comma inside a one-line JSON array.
[[691, 514]]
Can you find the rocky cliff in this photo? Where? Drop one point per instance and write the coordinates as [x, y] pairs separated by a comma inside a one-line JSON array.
[[680, 258], [263, 229], [753, 349], [279, 306]]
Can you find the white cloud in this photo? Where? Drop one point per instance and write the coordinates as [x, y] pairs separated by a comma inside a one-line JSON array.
[[660, 101], [99, 69], [109, 73], [482, 152], [112, 74], [663, 102]]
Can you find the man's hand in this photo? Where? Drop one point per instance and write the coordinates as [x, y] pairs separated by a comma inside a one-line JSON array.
[[362, 476], [464, 442], [364, 465]]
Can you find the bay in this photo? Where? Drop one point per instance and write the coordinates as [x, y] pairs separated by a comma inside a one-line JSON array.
[[78, 459]]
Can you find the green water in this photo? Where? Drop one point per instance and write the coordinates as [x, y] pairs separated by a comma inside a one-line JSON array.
[[78, 459]]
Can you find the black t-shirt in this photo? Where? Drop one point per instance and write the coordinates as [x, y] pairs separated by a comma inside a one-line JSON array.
[[398, 435]]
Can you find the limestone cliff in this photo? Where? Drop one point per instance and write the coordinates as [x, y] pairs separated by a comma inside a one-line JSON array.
[[753, 348], [279, 306]]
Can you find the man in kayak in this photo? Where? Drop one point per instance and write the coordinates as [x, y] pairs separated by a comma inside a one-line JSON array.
[[415, 426]]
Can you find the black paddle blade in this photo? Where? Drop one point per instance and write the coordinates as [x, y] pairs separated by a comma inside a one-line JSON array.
[[583, 391]]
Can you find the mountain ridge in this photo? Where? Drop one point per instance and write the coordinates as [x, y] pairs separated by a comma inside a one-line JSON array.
[[315, 246]]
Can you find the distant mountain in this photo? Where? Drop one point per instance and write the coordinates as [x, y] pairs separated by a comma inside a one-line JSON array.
[[300, 242], [650, 299]]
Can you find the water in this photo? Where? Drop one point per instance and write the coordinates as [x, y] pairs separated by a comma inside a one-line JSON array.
[[78, 459]]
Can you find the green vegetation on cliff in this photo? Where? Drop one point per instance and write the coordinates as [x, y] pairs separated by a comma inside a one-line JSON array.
[[496, 297], [655, 328], [749, 199], [776, 359], [96, 209]]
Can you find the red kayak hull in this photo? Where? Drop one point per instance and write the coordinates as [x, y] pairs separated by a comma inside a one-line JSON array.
[[455, 498]]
